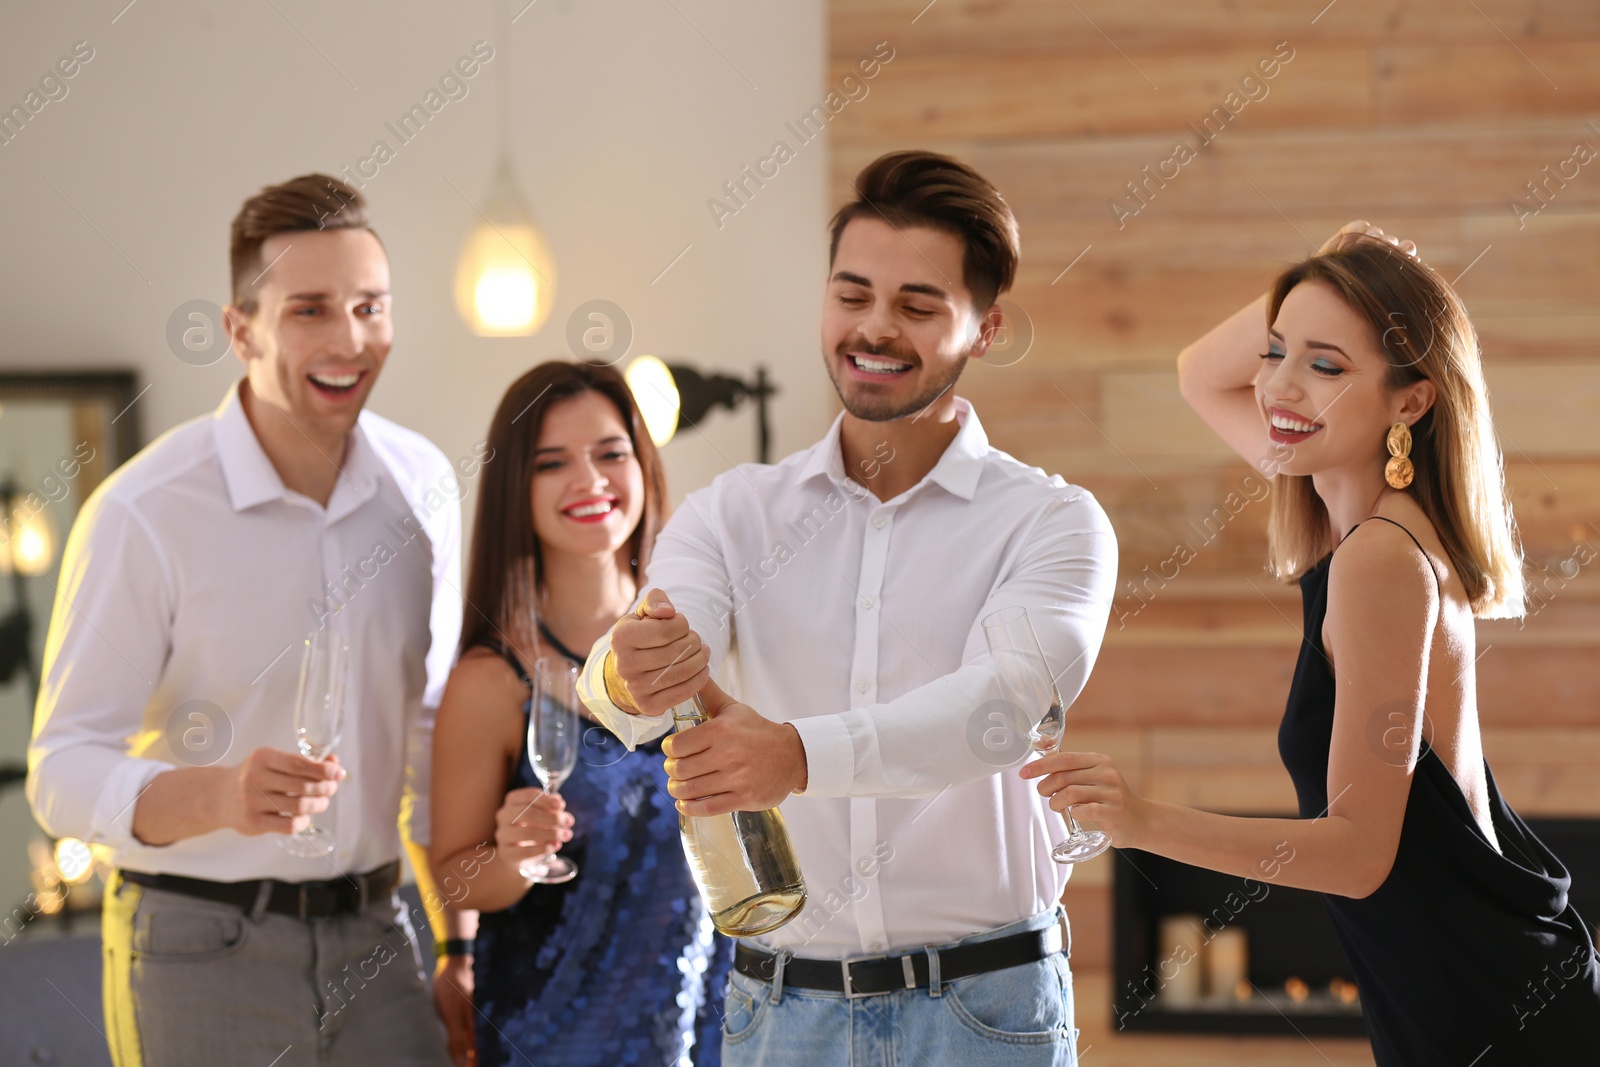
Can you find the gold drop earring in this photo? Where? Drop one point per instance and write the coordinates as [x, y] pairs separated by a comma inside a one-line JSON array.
[[1398, 472]]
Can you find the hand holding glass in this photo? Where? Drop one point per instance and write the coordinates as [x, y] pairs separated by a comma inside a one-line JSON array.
[[552, 749], [318, 721], [1026, 681]]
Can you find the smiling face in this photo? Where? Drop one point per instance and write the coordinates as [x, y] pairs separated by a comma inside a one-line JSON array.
[[898, 324], [321, 329], [1324, 388], [588, 487]]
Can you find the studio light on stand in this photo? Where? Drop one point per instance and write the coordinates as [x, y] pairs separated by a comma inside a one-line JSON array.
[[672, 396], [656, 393], [505, 276]]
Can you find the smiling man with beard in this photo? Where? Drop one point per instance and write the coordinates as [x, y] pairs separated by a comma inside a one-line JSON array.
[[165, 728], [933, 934]]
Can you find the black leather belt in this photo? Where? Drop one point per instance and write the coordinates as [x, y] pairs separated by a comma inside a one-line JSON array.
[[886, 974], [299, 900]]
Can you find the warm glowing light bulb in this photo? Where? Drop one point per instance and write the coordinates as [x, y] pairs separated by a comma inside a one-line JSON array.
[[505, 283], [505, 276], [504, 300], [657, 396], [32, 546], [74, 861]]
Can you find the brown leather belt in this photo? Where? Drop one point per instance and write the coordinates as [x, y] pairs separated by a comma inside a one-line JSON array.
[[298, 900], [887, 974]]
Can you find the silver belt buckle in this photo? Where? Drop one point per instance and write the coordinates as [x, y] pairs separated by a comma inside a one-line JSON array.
[[849, 990]]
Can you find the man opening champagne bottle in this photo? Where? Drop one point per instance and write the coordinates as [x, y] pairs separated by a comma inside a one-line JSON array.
[[844, 588]]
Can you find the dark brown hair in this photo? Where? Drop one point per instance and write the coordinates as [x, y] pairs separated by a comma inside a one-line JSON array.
[[505, 570], [926, 189], [1419, 325], [309, 202]]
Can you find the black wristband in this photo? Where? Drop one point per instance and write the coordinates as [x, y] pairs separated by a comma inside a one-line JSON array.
[[454, 946]]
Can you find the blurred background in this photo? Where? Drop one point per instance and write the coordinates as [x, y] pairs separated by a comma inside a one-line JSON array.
[[1164, 159]]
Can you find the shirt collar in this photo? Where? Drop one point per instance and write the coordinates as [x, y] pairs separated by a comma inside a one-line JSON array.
[[252, 479], [961, 466], [958, 470], [825, 457], [358, 477], [249, 474]]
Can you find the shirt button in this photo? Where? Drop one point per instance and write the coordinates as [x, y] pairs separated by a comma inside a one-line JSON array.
[[880, 522], [876, 946], [862, 687], [866, 602]]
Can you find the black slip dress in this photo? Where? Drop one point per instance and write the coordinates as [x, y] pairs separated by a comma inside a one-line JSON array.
[[1464, 956]]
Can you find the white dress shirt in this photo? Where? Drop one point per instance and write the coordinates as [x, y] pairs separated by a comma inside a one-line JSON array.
[[188, 586], [857, 621]]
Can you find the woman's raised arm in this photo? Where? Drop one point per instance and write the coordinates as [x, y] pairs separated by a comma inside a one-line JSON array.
[[1217, 375]]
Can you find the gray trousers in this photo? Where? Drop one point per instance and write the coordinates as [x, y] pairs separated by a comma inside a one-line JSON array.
[[189, 981]]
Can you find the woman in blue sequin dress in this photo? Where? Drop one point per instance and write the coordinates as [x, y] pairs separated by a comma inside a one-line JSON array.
[[621, 965]]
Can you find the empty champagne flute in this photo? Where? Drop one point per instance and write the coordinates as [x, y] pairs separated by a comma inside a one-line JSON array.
[[1027, 682], [552, 749], [318, 721]]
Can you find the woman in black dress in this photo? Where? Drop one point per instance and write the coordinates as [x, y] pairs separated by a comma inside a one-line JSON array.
[[1369, 410]]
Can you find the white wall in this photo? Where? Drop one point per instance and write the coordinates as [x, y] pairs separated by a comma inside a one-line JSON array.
[[627, 116]]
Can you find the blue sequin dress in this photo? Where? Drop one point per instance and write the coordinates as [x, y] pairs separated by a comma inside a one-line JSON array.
[[621, 965]]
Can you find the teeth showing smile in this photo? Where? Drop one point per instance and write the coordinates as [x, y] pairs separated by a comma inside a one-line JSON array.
[[584, 511], [874, 365], [1290, 424], [336, 381]]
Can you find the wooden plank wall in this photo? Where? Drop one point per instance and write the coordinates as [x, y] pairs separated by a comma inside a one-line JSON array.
[[1429, 117]]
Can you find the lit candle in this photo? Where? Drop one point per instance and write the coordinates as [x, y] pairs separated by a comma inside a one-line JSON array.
[[1179, 967], [1226, 960]]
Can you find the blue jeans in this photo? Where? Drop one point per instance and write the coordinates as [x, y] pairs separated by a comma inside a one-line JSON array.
[[1016, 1016]]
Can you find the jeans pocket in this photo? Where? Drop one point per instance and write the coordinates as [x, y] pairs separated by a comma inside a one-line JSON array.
[[744, 1006], [184, 930], [1019, 1005]]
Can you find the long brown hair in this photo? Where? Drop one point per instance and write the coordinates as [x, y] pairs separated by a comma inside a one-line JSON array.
[[1421, 328], [505, 570]]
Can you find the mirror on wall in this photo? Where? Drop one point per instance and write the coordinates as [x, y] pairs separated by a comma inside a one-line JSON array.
[[61, 434]]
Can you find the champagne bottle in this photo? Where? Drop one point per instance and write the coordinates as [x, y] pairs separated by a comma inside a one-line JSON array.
[[743, 861]]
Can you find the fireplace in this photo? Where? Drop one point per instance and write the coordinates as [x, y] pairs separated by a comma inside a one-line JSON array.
[[1195, 951]]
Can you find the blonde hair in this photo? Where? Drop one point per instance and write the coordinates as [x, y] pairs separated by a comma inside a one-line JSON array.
[[1422, 329]]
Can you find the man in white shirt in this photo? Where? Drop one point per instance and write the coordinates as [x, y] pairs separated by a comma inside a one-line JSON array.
[[841, 593], [165, 726]]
